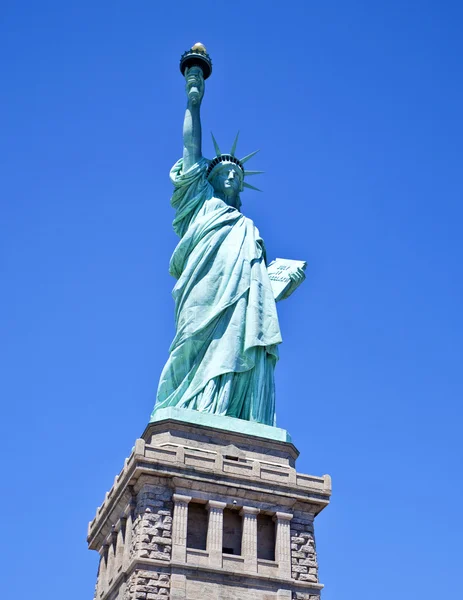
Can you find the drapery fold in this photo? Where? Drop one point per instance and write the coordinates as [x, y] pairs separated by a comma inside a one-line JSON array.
[[224, 352]]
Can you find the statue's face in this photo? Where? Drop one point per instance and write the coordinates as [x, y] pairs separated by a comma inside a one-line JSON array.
[[228, 180]]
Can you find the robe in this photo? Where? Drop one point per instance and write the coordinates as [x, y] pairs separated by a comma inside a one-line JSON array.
[[224, 353]]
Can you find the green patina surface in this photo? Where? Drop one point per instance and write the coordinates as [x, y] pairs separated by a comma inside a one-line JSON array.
[[224, 353], [221, 422]]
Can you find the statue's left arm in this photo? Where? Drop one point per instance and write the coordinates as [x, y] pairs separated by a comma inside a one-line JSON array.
[[192, 122]]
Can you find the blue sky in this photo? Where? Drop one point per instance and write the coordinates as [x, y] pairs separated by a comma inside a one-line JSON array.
[[356, 107]]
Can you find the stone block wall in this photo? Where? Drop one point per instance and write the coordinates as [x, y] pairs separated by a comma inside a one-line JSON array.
[[146, 533], [304, 566], [153, 523], [148, 585], [181, 500]]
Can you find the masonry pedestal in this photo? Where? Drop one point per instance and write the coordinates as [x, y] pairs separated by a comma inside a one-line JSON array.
[[208, 513]]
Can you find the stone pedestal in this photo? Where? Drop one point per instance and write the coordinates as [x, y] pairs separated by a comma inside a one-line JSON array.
[[249, 516]]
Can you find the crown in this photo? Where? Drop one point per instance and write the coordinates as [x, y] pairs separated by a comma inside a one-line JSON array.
[[196, 57], [221, 159]]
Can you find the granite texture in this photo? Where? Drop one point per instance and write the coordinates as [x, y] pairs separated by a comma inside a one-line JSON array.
[[141, 529], [304, 566]]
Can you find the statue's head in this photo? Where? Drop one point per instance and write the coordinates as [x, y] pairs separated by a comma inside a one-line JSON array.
[[226, 174], [227, 180]]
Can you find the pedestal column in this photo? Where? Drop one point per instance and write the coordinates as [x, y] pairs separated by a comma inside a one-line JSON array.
[[179, 527], [215, 532], [249, 538], [119, 547], [102, 580], [283, 543], [127, 554], [110, 564]]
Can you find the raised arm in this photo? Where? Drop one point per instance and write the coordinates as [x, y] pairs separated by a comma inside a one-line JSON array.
[[192, 123]]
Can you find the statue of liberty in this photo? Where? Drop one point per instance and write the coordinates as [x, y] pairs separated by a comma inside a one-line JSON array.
[[223, 356]]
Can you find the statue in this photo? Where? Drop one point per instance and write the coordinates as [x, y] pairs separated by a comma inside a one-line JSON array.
[[224, 353]]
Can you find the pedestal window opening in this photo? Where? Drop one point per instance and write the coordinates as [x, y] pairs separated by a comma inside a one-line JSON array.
[[265, 537], [197, 526], [232, 532]]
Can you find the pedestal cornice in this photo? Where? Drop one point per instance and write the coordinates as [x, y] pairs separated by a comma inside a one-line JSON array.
[[196, 462]]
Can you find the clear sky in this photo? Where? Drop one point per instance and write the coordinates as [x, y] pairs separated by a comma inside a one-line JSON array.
[[357, 109]]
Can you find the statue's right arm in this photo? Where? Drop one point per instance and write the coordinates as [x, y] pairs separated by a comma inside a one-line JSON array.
[[192, 122]]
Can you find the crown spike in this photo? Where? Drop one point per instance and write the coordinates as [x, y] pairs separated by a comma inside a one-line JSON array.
[[216, 145], [251, 187], [246, 158], [253, 172], [232, 151]]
